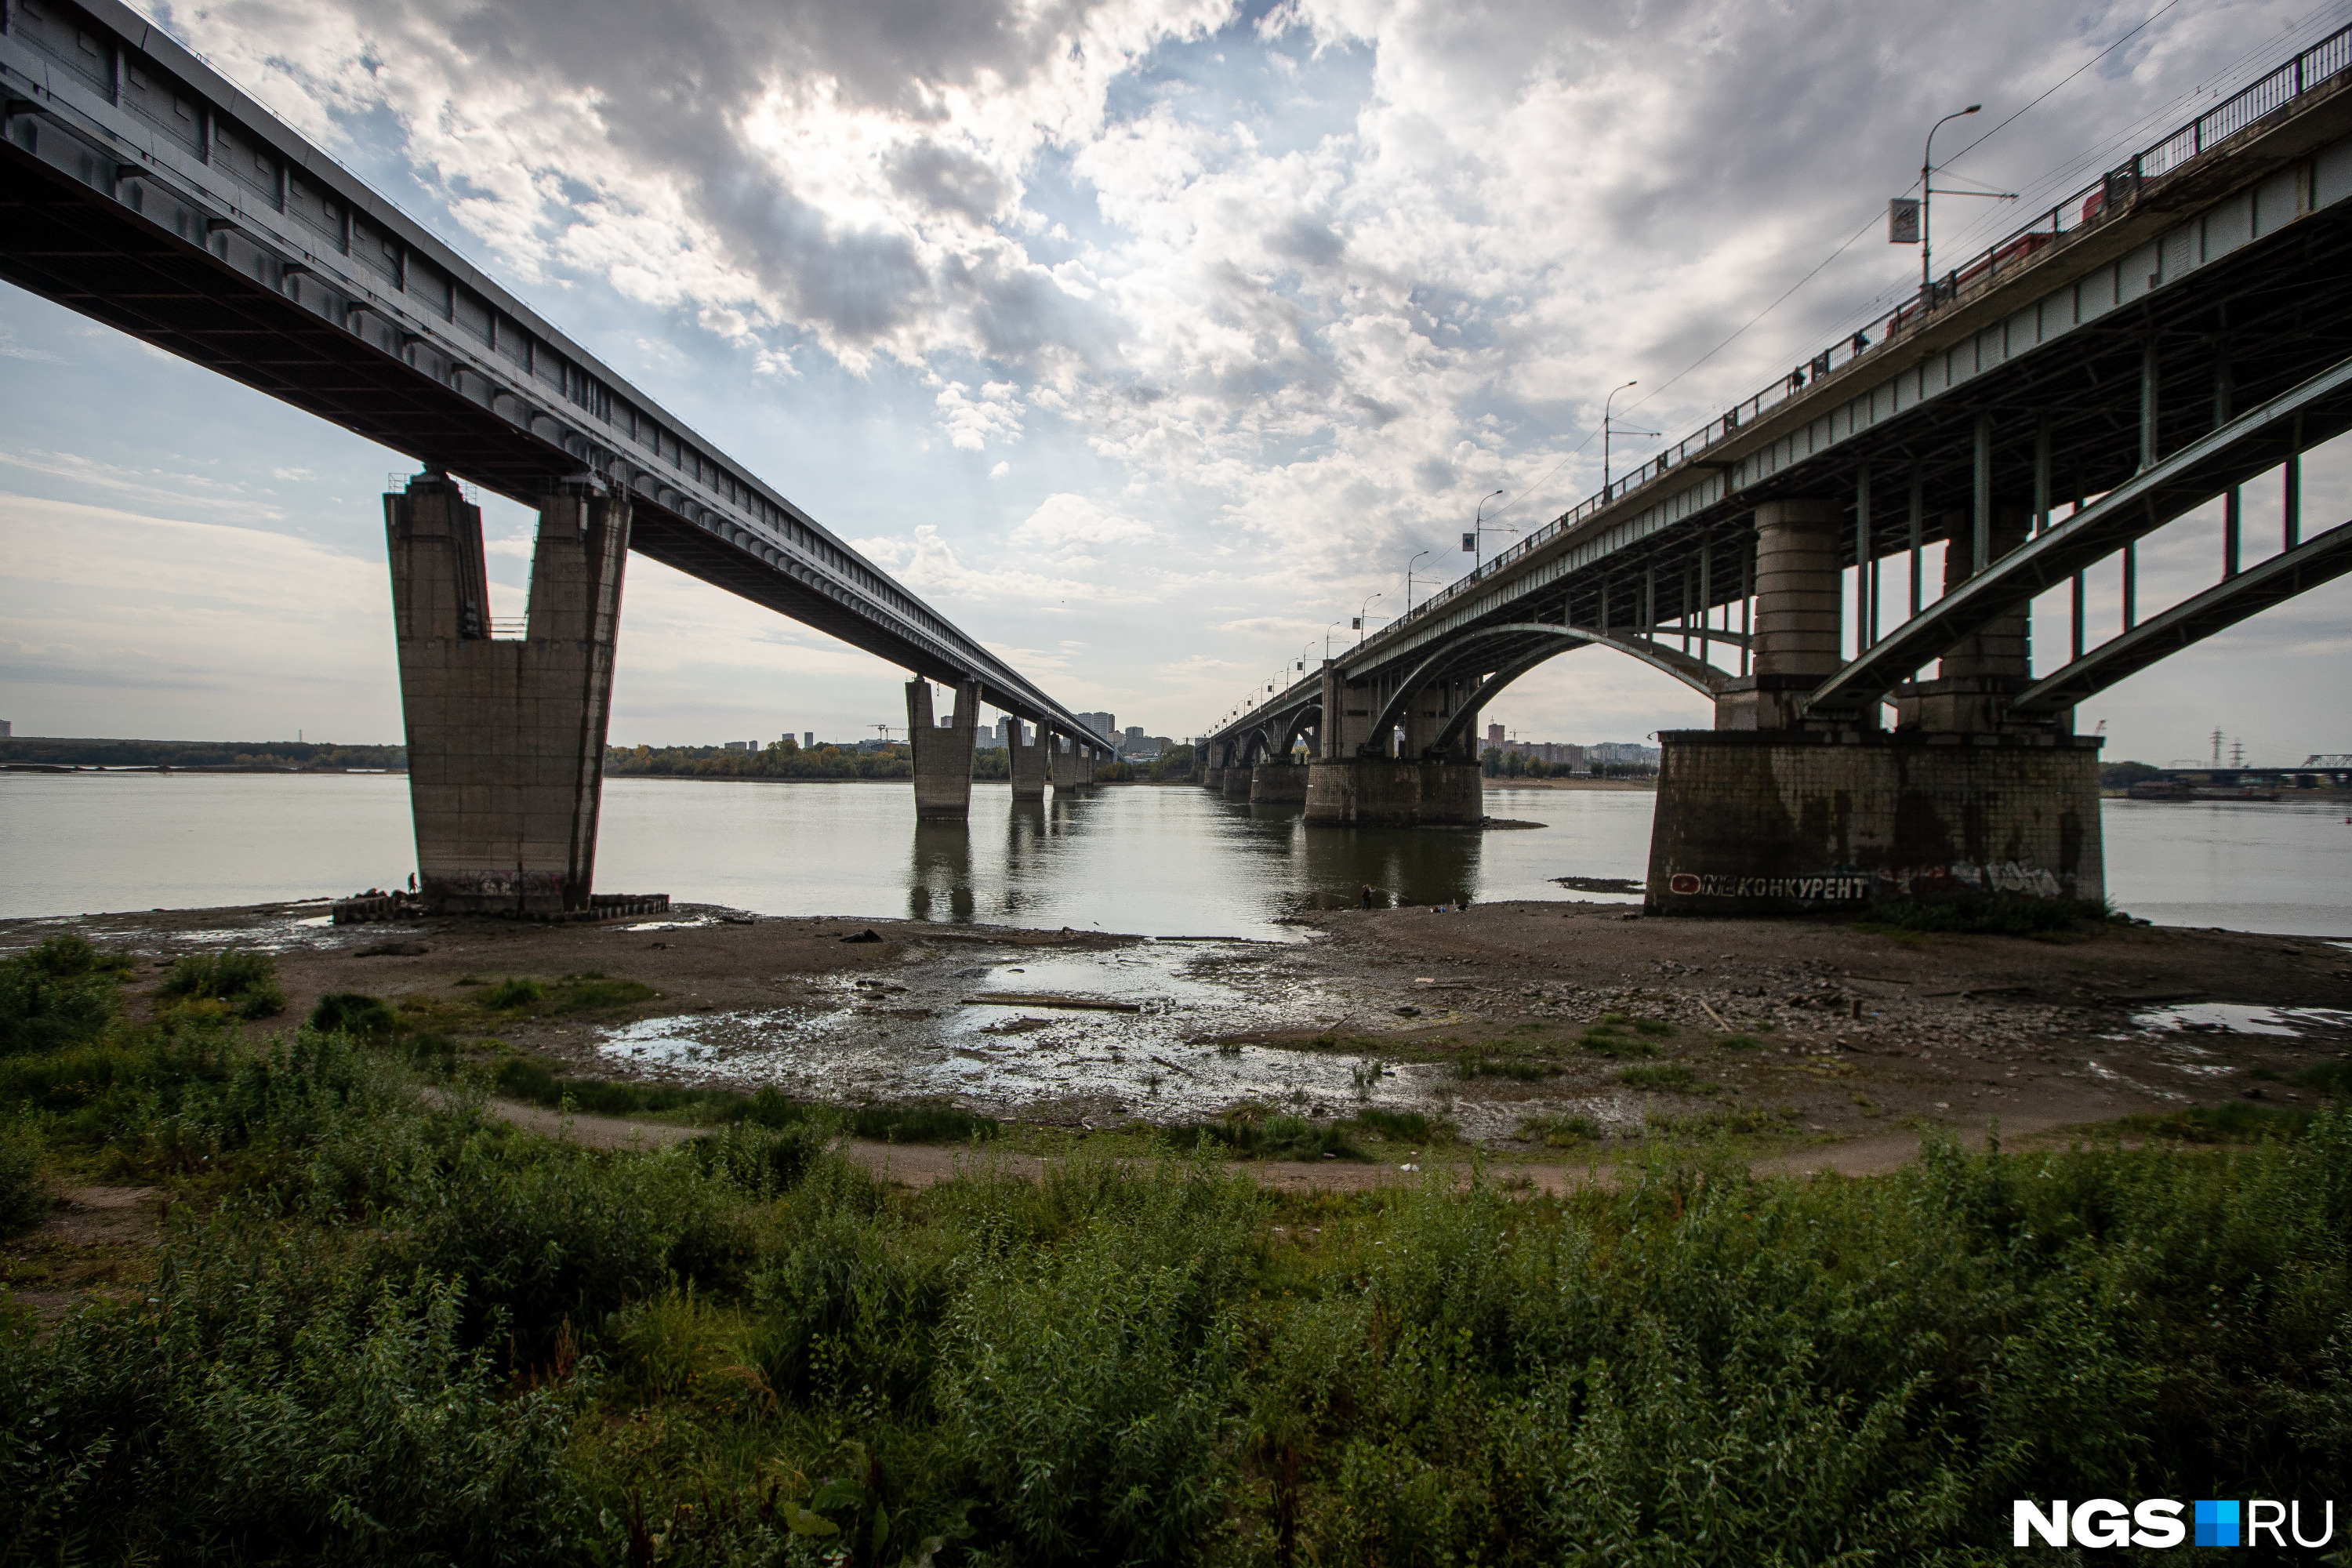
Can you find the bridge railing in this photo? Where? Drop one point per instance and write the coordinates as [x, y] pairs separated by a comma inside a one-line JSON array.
[[2084, 209]]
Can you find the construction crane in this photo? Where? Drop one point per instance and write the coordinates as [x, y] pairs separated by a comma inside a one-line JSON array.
[[886, 730]]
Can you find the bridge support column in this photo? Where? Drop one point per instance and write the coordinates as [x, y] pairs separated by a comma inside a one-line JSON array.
[[1278, 783], [1062, 753], [1026, 763], [1087, 768], [942, 753], [1772, 823], [1800, 606], [506, 738], [1235, 785], [1386, 792], [1975, 679]]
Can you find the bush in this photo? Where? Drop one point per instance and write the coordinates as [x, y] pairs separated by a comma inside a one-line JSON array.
[[25, 1197], [1560, 1131], [277, 1410], [1519, 1069], [2328, 1078], [354, 1013], [1268, 1138], [1983, 915], [919, 1124], [1617, 1047], [239, 981], [511, 994], [61, 993], [1399, 1126], [1671, 1076]]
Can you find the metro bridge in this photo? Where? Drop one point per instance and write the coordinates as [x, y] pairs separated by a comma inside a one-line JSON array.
[[140, 188], [2174, 333]]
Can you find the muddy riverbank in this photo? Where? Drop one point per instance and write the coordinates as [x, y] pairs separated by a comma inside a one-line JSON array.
[[1540, 1030]]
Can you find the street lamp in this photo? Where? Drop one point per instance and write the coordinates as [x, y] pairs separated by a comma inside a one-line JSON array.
[[1476, 536], [1927, 192], [1327, 638], [1360, 614], [1604, 433], [1408, 581]]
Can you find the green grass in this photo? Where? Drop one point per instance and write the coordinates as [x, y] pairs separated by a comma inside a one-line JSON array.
[[1981, 915], [1748, 1121], [1401, 1126], [385, 1326], [239, 982], [1617, 1047], [1520, 1069], [2328, 1078], [1560, 1131], [1265, 1138], [353, 1013], [1738, 1042], [1670, 1076], [2232, 1122]]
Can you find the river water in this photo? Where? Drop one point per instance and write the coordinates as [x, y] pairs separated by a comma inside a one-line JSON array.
[[1151, 860]]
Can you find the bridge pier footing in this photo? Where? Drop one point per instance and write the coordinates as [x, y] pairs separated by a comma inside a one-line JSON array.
[[1235, 785], [1278, 783], [1063, 757], [1026, 763], [1383, 792], [505, 736], [942, 753], [1753, 822], [1213, 780]]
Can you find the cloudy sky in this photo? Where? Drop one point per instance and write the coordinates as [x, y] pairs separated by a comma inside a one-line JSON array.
[[1144, 339]]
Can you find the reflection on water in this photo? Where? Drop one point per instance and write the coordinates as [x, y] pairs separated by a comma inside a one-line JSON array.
[[1163, 861]]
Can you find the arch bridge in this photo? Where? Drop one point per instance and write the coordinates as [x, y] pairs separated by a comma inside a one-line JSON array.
[[2175, 335]]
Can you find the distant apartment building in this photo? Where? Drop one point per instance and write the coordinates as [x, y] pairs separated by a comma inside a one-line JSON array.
[[1102, 724], [1622, 752], [1494, 734], [742, 745], [1555, 753], [5, 731]]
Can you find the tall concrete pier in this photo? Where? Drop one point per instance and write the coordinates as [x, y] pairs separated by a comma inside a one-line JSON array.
[[1027, 762], [1062, 753], [505, 736], [943, 752]]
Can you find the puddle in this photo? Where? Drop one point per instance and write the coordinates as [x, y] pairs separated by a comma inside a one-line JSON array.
[[2237, 1018], [932, 1034]]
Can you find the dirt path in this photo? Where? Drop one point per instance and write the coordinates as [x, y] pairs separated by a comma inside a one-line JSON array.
[[924, 1165]]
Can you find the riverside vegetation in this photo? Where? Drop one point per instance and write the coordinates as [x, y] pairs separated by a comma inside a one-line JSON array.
[[385, 1326]]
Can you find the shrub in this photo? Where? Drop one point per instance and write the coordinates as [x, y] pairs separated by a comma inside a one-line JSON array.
[[919, 1124], [1268, 1138], [278, 1411], [760, 1160], [354, 1013], [1665, 1074], [1518, 1069], [1558, 1131], [1617, 1047], [2328, 1078], [60, 993], [511, 994], [25, 1197], [1401, 1126], [241, 981]]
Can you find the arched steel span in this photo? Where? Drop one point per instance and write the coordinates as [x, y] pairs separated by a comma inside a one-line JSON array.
[[1503, 653]]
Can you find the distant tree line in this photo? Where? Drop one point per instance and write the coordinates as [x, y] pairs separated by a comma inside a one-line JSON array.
[[776, 760], [295, 755], [1507, 764]]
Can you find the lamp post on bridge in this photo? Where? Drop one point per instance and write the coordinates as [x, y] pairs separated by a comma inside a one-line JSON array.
[[1327, 638], [1408, 581], [1901, 233], [1473, 540], [1360, 614], [1605, 433]]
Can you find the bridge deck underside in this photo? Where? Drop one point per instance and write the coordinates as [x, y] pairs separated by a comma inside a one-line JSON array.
[[63, 240]]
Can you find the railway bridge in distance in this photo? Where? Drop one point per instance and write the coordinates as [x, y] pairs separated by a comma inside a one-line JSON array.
[[2175, 333], [140, 188]]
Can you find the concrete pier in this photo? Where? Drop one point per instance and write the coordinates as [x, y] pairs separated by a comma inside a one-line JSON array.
[[505, 736], [1063, 754], [1786, 821], [1976, 679], [1213, 780], [1799, 605], [1278, 783], [1382, 792], [1027, 762], [1237, 780], [943, 752]]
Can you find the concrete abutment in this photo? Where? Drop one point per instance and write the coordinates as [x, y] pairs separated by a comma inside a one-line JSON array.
[[1368, 791]]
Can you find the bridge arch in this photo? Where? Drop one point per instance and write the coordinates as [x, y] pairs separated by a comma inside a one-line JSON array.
[[1538, 641]]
